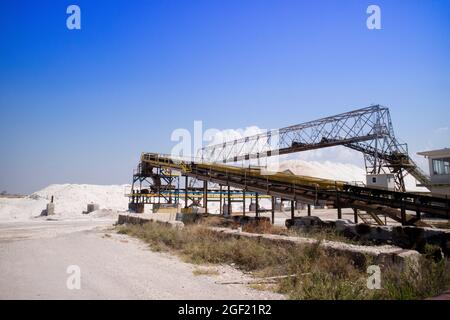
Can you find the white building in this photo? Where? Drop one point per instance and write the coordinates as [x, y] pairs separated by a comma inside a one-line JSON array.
[[439, 164], [381, 181]]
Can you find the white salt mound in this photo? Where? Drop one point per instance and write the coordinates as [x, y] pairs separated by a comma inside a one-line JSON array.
[[325, 170], [70, 201], [73, 198], [17, 209], [337, 171]]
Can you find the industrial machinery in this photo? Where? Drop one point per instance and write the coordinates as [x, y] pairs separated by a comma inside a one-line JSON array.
[[367, 130]]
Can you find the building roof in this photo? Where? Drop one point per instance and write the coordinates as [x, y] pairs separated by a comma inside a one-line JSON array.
[[435, 153]]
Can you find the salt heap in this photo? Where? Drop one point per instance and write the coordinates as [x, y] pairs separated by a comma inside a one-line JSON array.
[[70, 201], [73, 198], [339, 171]]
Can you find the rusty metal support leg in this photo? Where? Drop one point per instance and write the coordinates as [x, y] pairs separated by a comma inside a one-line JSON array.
[[418, 213], [229, 201], [338, 203], [170, 181], [355, 214], [205, 196], [159, 194], [273, 210], [243, 202], [309, 210], [257, 205], [292, 209], [403, 213], [186, 183], [221, 201]]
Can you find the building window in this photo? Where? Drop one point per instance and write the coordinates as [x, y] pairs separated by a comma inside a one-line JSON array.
[[441, 166], [374, 180]]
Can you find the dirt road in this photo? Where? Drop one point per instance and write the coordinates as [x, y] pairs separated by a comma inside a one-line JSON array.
[[35, 255]]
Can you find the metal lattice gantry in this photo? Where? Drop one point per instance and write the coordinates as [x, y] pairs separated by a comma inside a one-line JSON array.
[[368, 130], [154, 180]]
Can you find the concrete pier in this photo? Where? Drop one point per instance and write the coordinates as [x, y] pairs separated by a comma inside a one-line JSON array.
[[50, 209], [91, 207], [227, 210]]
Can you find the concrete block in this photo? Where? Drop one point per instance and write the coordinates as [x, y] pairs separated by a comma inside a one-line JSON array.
[[91, 207], [227, 210], [136, 207], [243, 220], [407, 237], [306, 222], [146, 218], [193, 210], [50, 209], [383, 255], [187, 218], [165, 207]]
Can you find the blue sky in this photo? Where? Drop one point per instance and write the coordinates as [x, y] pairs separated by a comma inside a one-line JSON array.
[[78, 106]]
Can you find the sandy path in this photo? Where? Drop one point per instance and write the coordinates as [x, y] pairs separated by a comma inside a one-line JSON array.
[[34, 257]]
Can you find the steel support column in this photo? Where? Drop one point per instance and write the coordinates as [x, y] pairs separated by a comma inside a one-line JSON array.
[[273, 210], [257, 205], [243, 202], [229, 201], [221, 201], [292, 209], [355, 215], [186, 183], [205, 196]]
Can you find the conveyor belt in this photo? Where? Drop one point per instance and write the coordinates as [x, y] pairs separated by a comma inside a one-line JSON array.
[[211, 195], [307, 189]]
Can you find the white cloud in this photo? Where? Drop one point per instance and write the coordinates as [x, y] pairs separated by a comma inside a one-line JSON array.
[[442, 130], [233, 134], [337, 154]]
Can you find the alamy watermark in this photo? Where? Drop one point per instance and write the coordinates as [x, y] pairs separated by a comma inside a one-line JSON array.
[[197, 145], [73, 281], [373, 22], [73, 21], [374, 278]]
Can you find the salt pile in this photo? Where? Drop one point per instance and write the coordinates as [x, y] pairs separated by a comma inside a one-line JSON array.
[[70, 201], [325, 170], [337, 171], [13, 209], [73, 198]]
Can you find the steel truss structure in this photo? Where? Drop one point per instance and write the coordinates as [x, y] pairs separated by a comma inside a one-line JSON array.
[[303, 189], [148, 180], [368, 130], [156, 184]]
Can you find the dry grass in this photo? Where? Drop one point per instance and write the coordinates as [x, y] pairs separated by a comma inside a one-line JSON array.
[[319, 275], [266, 227], [205, 272], [441, 225]]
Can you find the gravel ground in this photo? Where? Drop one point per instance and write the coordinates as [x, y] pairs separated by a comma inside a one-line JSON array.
[[35, 255]]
